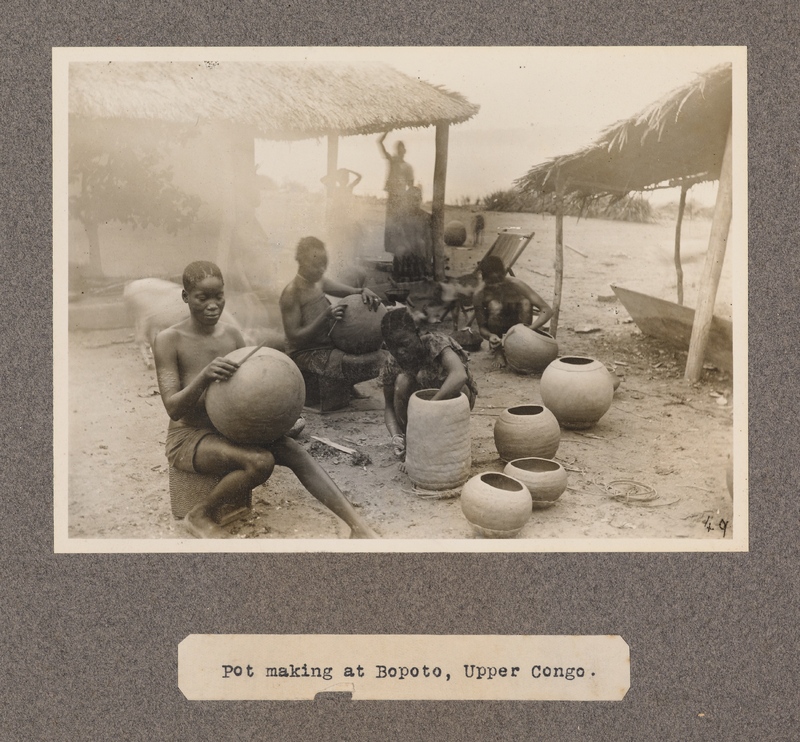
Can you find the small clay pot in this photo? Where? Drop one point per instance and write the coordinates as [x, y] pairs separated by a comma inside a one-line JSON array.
[[438, 443], [496, 505], [545, 479], [529, 351], [526, 430], [577, 390]]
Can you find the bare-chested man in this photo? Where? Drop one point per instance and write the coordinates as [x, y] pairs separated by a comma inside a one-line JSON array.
[[308, 317], [506, 301], [189, 357]]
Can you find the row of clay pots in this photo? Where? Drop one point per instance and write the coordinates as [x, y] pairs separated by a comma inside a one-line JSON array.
[[499, 505], [576, 393]]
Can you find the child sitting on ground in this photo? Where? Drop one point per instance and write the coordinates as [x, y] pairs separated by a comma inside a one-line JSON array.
[[419, 361], [189, 356]]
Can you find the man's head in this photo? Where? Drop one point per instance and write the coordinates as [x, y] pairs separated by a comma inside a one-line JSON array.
[[400, 149], [312, 259], [492, 269], [402, 339], [203, 291]]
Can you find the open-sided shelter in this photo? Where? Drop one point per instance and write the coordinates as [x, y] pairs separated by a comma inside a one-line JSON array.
[[273, 100], [681, 139]]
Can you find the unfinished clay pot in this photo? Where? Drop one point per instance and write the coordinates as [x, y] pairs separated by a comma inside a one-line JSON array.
[[526, 430], [261, 401], [545, 479], [577, 390], [496, 505], [359, 331], [438, 444], [529, 351]]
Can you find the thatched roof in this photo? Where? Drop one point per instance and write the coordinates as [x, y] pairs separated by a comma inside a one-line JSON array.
[[278, 100], [679, 138]]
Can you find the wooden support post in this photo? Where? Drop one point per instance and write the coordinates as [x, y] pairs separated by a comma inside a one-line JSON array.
[[333, 166], [559, 262], [678, 267], [437, 205], [712, 268]]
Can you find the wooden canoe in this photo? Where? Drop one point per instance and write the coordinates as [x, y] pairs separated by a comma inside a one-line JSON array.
[[672, 323]]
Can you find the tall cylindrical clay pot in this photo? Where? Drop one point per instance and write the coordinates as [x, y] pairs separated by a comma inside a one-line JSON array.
[[438, 444], [496, 505], [545, 479], [577, 390], [526, 430], [529, 351]]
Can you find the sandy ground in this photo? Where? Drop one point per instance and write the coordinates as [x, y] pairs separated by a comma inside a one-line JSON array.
[[661, 431]]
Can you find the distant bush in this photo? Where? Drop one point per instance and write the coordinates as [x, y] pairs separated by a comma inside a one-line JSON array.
[[626, 208]]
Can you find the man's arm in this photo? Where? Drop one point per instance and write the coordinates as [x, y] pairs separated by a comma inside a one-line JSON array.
[[334, 288], [178, 401], [480, 320], [382, 147], [545, 310], [356, 181], [292, 318]]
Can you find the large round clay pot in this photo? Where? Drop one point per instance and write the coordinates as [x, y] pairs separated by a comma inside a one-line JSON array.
[[546, 480], [526, 430], [438, 444], [261, 401], [455, 233], [359, 331], [496, 505], [578, 391], [529, 351]]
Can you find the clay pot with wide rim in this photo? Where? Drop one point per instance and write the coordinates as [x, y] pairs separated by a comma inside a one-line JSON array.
[[577, 390], [526, 430], [496, 505], [438, 443], [545, 479], [529, 351]]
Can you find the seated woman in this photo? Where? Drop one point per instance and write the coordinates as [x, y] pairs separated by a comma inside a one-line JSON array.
[[429, 360]]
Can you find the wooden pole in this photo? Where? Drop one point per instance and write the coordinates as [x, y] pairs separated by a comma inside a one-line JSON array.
[[333, 166], [559, 262], [678, 267], [437, 205], [712, 268]]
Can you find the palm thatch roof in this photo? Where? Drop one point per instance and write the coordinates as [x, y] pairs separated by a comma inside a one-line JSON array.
[[277, 100], [678, 139]]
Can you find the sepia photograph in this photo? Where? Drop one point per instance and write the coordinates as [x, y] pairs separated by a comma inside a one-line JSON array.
[[400, 299]]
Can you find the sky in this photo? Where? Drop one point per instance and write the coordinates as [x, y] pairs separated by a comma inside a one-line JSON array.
[[536, 103]]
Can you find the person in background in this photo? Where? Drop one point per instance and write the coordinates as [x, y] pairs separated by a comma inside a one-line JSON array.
[[399, 178]]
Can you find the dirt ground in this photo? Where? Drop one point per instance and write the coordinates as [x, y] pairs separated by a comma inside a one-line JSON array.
[[661, 432]]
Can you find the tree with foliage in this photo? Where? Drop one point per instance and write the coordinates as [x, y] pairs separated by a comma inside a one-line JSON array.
[[117, 172]]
